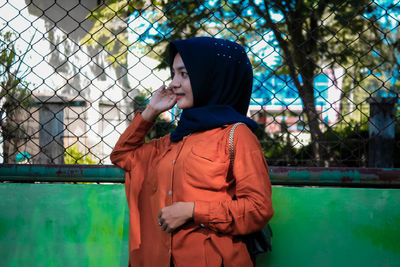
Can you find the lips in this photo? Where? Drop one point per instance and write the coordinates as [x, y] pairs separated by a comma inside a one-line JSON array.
[[179, 96]]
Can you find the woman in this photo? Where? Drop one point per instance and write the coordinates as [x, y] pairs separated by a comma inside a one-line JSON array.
[[188, 206]]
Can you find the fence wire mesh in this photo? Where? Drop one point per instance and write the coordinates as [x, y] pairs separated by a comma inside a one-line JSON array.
[[326, 75]]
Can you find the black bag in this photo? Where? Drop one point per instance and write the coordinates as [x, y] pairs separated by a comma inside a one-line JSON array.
[[257, 242]]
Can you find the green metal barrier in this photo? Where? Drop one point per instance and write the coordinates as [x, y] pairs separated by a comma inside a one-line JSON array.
[[63, 224]]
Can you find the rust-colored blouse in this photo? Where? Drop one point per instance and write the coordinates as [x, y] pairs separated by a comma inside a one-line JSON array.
[[161, 172]]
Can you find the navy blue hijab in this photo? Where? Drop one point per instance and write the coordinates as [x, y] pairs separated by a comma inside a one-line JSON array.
[[221, 77]]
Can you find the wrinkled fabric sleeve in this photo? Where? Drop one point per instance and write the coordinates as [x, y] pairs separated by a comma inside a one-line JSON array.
[[127, 146], [132, 154], [252, 208]]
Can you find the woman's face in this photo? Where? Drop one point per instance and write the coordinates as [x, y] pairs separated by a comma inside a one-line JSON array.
[[180, 84]]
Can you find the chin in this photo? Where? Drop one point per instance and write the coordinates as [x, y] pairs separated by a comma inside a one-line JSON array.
[[184, 105]]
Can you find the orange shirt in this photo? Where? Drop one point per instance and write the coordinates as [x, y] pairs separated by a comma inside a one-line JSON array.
[[161, 172]]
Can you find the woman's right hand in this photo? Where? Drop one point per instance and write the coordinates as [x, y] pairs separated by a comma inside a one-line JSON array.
[[162, 100]]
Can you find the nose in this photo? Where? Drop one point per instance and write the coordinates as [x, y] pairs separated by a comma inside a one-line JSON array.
[[175, 83]]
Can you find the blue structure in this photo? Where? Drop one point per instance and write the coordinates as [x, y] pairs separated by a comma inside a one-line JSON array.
[[279, 90]]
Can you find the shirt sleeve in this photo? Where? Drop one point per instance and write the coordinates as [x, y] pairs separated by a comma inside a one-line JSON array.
[[251, 208], [133, 138], [132, 154]]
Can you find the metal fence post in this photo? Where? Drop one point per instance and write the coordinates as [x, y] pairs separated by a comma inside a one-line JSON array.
[[381, 132], [51, 133]]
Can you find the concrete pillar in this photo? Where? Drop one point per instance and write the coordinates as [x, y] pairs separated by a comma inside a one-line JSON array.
[[51, 131], [381, 132]]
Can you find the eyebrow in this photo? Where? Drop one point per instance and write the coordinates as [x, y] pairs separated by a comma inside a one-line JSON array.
[[181, 68]]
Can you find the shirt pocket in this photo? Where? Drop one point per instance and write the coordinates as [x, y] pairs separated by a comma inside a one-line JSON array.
[[204, 171]]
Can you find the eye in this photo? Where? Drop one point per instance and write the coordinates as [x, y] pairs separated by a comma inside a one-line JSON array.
[[184, 74]]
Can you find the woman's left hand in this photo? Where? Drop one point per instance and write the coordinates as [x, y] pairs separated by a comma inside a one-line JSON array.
[[172, 217]]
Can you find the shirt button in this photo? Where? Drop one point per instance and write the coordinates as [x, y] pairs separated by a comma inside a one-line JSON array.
[[169, 192], [173, 162], [202, 225]]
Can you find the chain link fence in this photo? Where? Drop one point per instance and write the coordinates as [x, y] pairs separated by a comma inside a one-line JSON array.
[[326, 75]]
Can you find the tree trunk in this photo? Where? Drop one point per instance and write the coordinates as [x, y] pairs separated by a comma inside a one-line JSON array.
[[5, 146], [309, 108], [7, 139], [306, 93]]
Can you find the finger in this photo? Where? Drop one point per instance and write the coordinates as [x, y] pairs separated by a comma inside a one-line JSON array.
[[164, 226], [168, 90], [160, 214], [159, 90]]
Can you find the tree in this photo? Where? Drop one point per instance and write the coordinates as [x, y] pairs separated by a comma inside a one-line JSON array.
[[371, 61], [73, 155], [313, 35], [310, 36], [14, 95]]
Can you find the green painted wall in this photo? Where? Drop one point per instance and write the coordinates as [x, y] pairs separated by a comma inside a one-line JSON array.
[[86, 225], [335, 227], [63, 225]]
